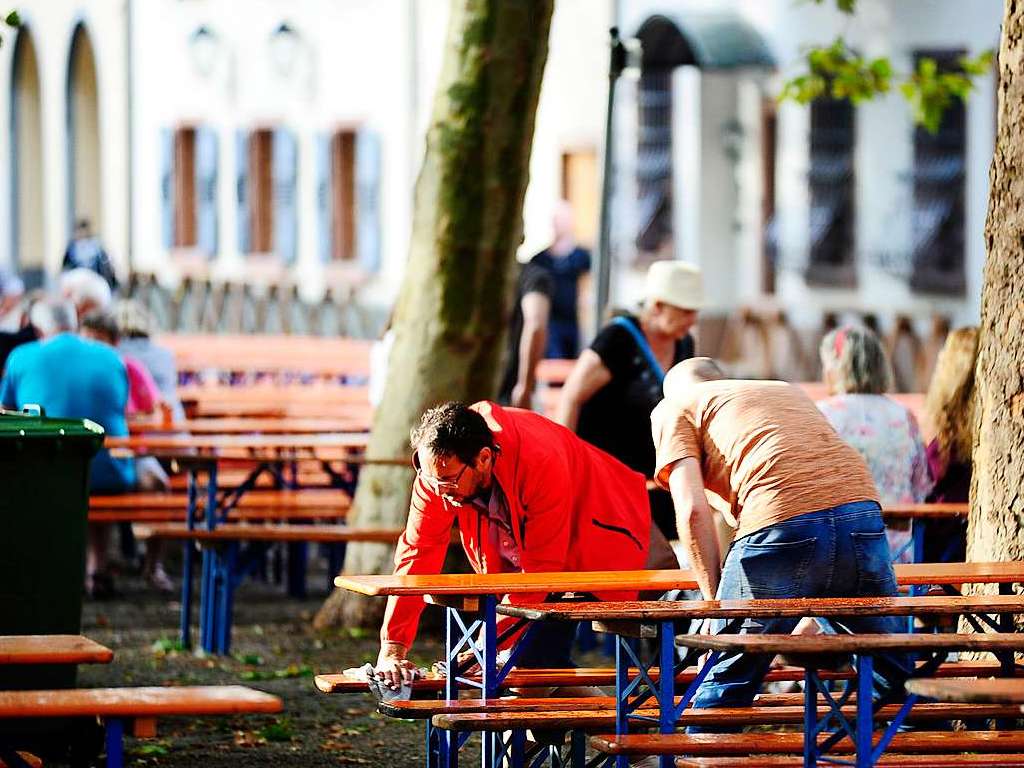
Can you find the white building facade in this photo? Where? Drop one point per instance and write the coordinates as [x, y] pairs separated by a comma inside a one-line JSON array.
[[271, 142]]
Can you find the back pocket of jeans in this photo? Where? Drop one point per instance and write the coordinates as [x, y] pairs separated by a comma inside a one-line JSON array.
[[777, 569], [874, 564]]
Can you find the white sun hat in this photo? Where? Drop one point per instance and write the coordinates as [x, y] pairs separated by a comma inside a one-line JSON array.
[[676, 283]]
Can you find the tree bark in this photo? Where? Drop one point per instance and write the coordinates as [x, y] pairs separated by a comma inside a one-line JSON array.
[[997, 488], [451, 314]]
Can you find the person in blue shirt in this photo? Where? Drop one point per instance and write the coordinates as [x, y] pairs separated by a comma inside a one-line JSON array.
[[72, 377], [566, 261]]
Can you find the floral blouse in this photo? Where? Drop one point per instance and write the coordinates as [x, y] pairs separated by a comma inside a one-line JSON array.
[[886, 434]]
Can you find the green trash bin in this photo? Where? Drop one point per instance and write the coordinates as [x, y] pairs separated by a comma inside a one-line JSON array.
[[44, 473]]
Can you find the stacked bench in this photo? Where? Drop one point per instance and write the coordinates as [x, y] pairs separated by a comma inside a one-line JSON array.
[[120, 710]]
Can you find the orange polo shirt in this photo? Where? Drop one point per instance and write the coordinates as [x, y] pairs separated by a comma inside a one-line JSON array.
[[763, 447]]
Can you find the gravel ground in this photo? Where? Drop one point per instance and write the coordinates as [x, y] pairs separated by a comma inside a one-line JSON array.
[[275, 650]]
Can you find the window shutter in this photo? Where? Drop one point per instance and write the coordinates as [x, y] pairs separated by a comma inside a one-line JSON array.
[[167, 188], [324, 217], [242, 191], [206, 190], [285, 172], [368, 172]]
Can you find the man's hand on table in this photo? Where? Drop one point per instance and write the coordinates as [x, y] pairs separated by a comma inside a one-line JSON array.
[[393, 668]]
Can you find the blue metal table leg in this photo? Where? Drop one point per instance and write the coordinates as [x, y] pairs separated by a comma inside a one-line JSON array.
[[810, 718], [211, 568], [187, 565], [865, 714], [114, 739], [298, 556], [622, 658], [666, 685], [489, 670], [226, 602]]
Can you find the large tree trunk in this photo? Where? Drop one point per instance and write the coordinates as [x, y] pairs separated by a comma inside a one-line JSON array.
[[997, 491], [467, 223]]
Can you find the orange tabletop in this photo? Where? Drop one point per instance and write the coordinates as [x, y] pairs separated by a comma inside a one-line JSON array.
[[654, 581], [511, 583], [1010, 691], [251, 425], [52, 649], [307, 499], [925, 511]]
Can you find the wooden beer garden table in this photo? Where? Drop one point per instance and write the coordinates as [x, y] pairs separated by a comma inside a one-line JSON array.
[[661, 620], [472, 604], [201, 455]]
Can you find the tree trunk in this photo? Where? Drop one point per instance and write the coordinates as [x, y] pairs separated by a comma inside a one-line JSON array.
[[451, 313], [997, 489]]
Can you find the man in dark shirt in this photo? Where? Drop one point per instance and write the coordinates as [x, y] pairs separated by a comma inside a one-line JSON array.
[[527, 335], [86, 250], [566, 262]]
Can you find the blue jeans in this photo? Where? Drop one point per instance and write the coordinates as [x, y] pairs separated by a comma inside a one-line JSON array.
[[837, 552]]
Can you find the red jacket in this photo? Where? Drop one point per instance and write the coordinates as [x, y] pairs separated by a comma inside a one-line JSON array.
[[572, 506]]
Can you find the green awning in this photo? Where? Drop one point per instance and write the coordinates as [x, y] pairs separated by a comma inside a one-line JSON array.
[[708, 41]]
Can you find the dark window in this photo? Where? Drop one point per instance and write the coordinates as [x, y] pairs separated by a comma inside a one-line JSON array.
[[343, 196], [937, 224], [184, 188], [831, 184], [654, 160], [261, 191]]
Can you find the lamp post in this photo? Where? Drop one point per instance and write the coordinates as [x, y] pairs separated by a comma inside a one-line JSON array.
[[602, 271]]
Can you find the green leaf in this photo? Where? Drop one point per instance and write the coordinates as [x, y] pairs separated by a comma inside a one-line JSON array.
[[279, 731], [12, 19]]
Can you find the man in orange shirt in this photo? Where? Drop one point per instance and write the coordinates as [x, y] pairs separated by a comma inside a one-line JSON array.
[[804, 505], [529, 496]]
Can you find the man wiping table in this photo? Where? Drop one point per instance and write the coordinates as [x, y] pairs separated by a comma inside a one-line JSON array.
[[529, 496]]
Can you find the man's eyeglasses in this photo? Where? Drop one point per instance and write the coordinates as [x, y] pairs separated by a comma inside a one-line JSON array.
[[440, 487]]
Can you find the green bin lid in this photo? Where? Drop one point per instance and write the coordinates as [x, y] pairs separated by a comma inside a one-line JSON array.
[[32, 422]]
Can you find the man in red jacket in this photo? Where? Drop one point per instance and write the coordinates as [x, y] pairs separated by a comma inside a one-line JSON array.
[[529, 496]]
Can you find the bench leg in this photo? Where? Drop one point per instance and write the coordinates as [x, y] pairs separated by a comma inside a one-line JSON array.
[[115, 743]]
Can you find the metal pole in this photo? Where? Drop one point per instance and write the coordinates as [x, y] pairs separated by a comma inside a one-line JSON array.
[[603, 264]]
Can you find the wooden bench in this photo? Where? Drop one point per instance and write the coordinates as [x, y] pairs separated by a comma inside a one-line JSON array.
[[600, 676], [744, 744], [139, 707], [287, 532], [886, 761], [52, 649]]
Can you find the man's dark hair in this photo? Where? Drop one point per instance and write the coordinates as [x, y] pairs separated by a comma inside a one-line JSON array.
[[452, 429]]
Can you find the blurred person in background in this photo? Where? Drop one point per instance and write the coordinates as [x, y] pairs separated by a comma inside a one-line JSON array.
[[76, 378], [135, 329], [857, 373], [950, 408], [143, 394], [85, 251], [23, 332], [616, 383], [143, 399], [527, 335], [566, 261], [12, 291], [86, 290]]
